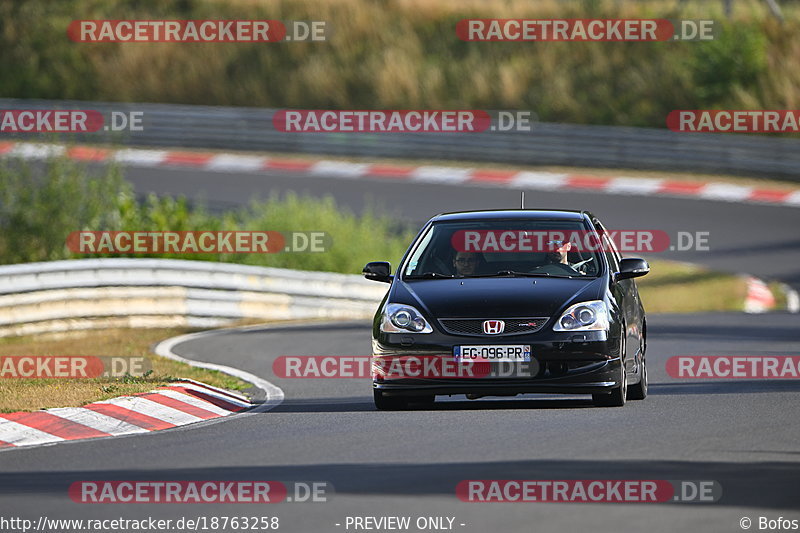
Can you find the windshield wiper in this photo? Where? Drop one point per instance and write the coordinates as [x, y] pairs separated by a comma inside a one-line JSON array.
[[428, 275], [521, 274], [501, 273], [514, 273], [508, 273]]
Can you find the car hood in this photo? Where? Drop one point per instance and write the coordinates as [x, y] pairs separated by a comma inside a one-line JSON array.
[[496, 297]]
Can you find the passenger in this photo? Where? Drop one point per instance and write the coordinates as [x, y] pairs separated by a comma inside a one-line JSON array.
[[466, 263]]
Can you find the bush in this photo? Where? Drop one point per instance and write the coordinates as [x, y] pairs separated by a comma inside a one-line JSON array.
[[405, 54], [40, 207], [732, 63]]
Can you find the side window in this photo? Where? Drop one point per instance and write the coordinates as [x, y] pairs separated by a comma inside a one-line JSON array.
[[611, 253], [413, 261], [609, 247]]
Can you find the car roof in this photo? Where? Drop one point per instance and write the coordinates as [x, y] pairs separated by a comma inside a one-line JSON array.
[[523, 214]]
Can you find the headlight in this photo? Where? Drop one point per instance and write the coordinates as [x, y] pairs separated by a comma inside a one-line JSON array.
[[399, 318], [584, 316]]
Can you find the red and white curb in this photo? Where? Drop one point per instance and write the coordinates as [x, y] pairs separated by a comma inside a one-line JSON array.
[[514, 179], [178, 404], [273, 395], [759, 297]]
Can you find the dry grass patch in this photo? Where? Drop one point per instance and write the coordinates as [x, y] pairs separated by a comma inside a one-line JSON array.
[[673, 287], [18, 394]]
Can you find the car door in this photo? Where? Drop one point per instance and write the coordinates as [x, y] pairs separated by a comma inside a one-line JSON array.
[[626, 295]]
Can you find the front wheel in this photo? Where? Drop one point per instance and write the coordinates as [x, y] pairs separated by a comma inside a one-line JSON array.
[[639, 390], [618, 394]]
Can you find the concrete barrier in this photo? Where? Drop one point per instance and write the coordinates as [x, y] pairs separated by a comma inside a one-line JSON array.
[[100, 293]]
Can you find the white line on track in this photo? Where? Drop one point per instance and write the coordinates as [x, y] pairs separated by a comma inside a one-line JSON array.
[[274, 395]]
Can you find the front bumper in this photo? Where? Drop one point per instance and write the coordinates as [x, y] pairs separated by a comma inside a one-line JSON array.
[[562, 363]]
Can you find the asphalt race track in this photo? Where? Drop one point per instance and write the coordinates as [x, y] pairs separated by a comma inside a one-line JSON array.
[[741, 434]]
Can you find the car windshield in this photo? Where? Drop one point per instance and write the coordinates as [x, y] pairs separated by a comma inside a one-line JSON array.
[[505, 248]]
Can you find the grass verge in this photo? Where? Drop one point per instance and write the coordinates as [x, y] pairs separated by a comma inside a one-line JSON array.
[[673, 287], [20, 394]]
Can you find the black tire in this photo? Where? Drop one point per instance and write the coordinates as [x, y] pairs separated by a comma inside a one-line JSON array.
[[388, 403], [618, 395], [639, 390]]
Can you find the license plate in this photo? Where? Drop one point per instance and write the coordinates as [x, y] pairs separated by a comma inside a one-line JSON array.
[[493, 354]]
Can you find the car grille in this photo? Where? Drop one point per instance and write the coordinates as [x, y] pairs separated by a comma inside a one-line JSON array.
[[474, 326]]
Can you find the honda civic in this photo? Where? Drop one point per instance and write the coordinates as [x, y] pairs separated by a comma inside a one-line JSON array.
[[508, 302]]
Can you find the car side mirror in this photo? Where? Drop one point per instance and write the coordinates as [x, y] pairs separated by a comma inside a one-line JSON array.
[[378, 271], [631, 267]]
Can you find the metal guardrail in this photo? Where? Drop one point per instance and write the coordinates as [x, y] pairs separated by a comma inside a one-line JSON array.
[[232, 128], [99, 293]]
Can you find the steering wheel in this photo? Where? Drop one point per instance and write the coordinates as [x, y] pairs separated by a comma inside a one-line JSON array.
[[556, 268], [440, 266], [581, 265]]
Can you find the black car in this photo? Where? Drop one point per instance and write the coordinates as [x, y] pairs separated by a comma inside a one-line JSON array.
[[500, 303]]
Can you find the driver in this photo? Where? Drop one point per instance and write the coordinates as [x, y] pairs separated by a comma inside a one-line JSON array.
[[465, 263], [557, 252], [557, 255]]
